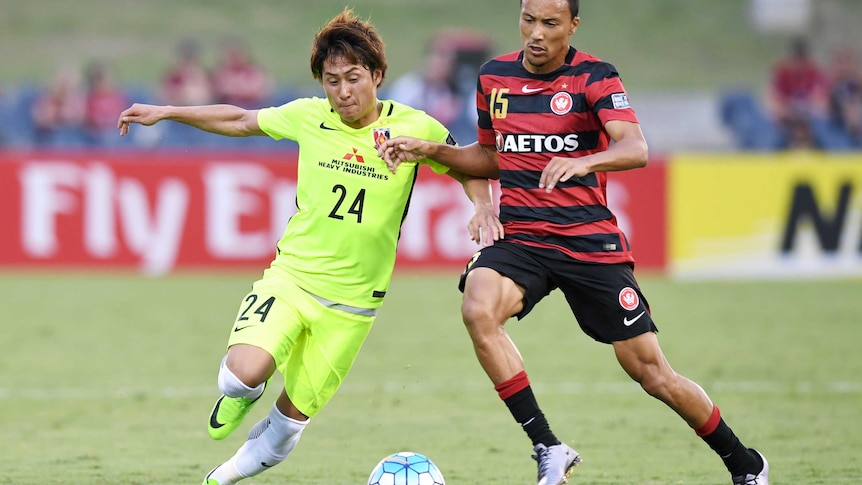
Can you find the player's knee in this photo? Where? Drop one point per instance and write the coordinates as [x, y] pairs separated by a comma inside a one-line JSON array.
[[233, 386], [250, 364], [477, 315]]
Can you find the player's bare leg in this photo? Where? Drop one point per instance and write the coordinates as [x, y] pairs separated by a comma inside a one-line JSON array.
[[642, 358], [644, 361], [490, 299]]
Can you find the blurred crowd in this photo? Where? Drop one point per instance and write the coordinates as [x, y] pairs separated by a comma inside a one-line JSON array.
[[79, 106], [810, 104]]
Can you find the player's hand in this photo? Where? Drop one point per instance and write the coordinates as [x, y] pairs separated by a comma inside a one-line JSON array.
[[485, 226], [561, 169], [403, 149], [144, 114]]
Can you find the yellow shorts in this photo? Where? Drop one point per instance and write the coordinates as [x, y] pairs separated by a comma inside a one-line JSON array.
[[313, 346]]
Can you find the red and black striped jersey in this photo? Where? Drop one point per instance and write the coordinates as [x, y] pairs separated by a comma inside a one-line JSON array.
[[531, 118]]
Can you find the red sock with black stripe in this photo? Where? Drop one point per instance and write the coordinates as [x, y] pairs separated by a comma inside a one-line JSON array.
[[518, 396]]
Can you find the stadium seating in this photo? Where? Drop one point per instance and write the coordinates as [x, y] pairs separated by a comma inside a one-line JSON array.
[[741, 115], [751, 127]]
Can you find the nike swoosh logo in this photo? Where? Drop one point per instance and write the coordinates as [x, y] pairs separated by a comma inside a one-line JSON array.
[[326, 127], [629, 323], [237, 329], [213, 422], [263, 464], [527, 90]]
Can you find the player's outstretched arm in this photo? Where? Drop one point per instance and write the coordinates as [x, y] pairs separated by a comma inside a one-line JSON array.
[[474, 159], [222, 119]]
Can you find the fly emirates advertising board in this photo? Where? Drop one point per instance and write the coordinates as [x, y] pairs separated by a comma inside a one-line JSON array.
[[156, 212]]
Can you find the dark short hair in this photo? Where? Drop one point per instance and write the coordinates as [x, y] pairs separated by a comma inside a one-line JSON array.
[[347, 36], [574, 6]]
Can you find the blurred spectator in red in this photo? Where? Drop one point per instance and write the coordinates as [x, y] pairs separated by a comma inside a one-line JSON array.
[[238, 79], [187, 82], [845, 92], [103, 101], [58, 111], [444, 85], [798, 95]]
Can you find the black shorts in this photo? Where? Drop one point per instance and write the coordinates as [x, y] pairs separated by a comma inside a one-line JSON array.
[[605, 298]]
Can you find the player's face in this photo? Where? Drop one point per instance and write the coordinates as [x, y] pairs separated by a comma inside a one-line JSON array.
[[546, 26], [351, 90]]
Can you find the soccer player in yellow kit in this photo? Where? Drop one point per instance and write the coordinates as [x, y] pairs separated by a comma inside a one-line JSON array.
[[311, 310]]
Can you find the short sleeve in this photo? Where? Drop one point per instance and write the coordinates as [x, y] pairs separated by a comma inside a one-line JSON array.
[[283, 121], [607, 96]]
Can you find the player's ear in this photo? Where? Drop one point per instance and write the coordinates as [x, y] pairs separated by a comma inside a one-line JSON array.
[[377, 77], [575, 22]]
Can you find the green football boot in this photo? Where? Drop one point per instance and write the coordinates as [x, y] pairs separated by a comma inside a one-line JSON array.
[[228, 413], [210, 481]]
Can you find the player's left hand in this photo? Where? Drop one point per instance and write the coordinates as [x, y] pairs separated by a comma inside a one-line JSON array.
[[561, 169], [402, 149], [485, 226]]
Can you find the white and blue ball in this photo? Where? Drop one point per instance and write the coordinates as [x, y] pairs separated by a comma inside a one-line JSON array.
[[406, 468]]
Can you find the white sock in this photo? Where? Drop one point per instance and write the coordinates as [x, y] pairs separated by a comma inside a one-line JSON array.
[[269, 443], [230, 385]]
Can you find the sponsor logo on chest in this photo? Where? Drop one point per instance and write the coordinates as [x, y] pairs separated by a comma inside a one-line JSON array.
[[536, 143]]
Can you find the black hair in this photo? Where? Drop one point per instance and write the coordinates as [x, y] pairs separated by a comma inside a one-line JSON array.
[[574, 6]]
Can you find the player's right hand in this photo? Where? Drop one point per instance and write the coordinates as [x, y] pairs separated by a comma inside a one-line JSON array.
[[144, 114]]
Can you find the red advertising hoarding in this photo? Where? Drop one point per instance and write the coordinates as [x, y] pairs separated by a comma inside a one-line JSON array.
[[157, 212]]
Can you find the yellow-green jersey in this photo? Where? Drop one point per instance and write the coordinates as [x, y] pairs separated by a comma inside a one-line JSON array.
[[340, 245]]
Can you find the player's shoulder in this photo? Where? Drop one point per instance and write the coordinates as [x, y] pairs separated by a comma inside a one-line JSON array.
[[401, 113], [309, 105], [407, 120], [290, 119], [504, 64], [513, 56], [584, 62]]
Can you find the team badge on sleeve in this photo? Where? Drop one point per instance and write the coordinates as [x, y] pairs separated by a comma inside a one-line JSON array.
[[380, 136], [620, 100]]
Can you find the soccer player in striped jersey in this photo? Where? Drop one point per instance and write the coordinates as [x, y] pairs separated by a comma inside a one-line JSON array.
[[553, 121], [312, 309]]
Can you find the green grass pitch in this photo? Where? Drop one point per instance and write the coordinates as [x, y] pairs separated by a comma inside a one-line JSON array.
[[109, 379]]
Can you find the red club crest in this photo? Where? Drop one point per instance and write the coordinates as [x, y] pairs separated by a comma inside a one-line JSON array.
[[629, 298], [561, 103], [380, 136]]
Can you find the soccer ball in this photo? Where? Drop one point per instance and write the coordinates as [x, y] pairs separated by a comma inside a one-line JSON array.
[[406, 468]]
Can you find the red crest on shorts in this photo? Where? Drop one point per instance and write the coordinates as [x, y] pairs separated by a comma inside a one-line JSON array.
[[380, 136], [561, 103], [629, 298]]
